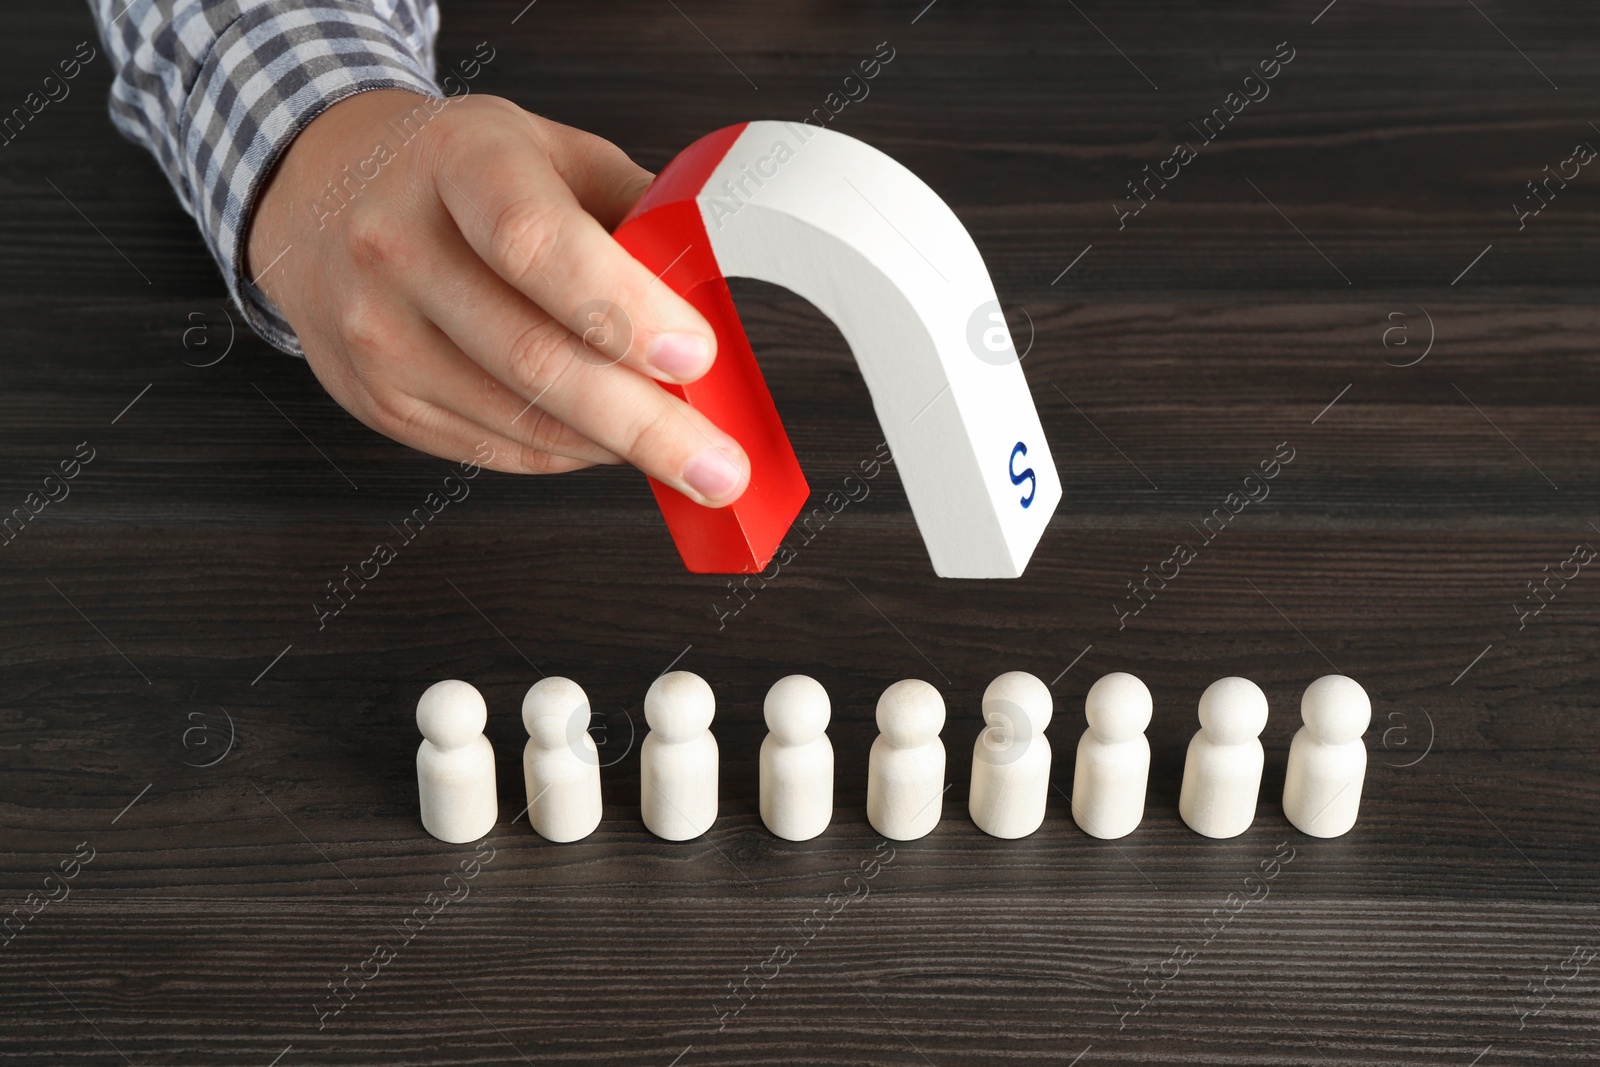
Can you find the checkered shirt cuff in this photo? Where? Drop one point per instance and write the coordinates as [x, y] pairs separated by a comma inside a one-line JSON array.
[[217, 89]]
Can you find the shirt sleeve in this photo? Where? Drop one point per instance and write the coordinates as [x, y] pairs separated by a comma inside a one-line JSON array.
[[217, 89]]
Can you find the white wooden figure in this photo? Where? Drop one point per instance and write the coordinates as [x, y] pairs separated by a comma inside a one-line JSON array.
[[1327, 758], [1222, 775], [1011, 759], [1113, 768], [455, 764], [875, 249], [560, 763], [678, 760], [905, 770], [797, 759]]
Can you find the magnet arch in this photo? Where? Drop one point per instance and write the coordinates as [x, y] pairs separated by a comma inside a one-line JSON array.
[[878, 252]]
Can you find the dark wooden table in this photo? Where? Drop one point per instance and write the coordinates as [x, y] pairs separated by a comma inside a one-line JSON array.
[[1341, 270]]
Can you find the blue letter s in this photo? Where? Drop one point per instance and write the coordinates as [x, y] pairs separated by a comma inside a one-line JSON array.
[[1026, 475]]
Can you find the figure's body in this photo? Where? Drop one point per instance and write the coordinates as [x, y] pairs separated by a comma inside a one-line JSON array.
[[560, 763], [1011, 758], [1327, 758], [797, 759], [905, 769], [678, 760], [1222, 774], [1113, 766], [455, 764]]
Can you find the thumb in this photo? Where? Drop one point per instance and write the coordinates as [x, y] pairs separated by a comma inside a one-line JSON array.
[[604, 180]]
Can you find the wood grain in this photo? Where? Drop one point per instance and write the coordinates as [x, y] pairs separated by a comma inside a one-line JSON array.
[[172, 592]]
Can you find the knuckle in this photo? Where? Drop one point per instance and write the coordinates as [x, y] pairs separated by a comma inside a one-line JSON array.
[[533, 429], [534, 461], [399, 416], [542, 441], [367, 329], [373, 239], [528, 454], [535, 356], [605, 333], [653, 432], [527, 232]]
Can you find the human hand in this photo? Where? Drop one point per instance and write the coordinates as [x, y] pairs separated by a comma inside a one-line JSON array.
[[445, 265]]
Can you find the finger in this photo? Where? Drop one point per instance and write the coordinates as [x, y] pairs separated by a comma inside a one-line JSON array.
[[522, 219], [611, 405], [450, 435], [379, 365], [430, 428], [447, 377], [606, 182]]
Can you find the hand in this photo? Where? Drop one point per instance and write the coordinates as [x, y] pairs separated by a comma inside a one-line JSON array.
[[444, 288]]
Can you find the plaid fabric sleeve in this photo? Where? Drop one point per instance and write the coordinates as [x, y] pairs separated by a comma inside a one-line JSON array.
[[216, 90]]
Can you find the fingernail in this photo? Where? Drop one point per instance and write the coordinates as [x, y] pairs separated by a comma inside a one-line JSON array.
[[712, 474], [680, 355]]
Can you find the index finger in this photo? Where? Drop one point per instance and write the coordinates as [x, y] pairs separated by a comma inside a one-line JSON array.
[[523, 220]]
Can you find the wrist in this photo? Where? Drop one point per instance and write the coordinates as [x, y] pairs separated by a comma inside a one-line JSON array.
[[321, 171]]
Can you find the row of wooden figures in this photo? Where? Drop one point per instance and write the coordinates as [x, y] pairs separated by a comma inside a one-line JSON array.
[[905, 776]]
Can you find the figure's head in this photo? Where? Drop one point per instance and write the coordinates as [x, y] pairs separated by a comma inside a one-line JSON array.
[[679, 706], [1336, 709], [910, 713], [451, 714], [1118, 707], [555, 712], [1017, 707], [797, 709], [1233, 711], [1018, 692]]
